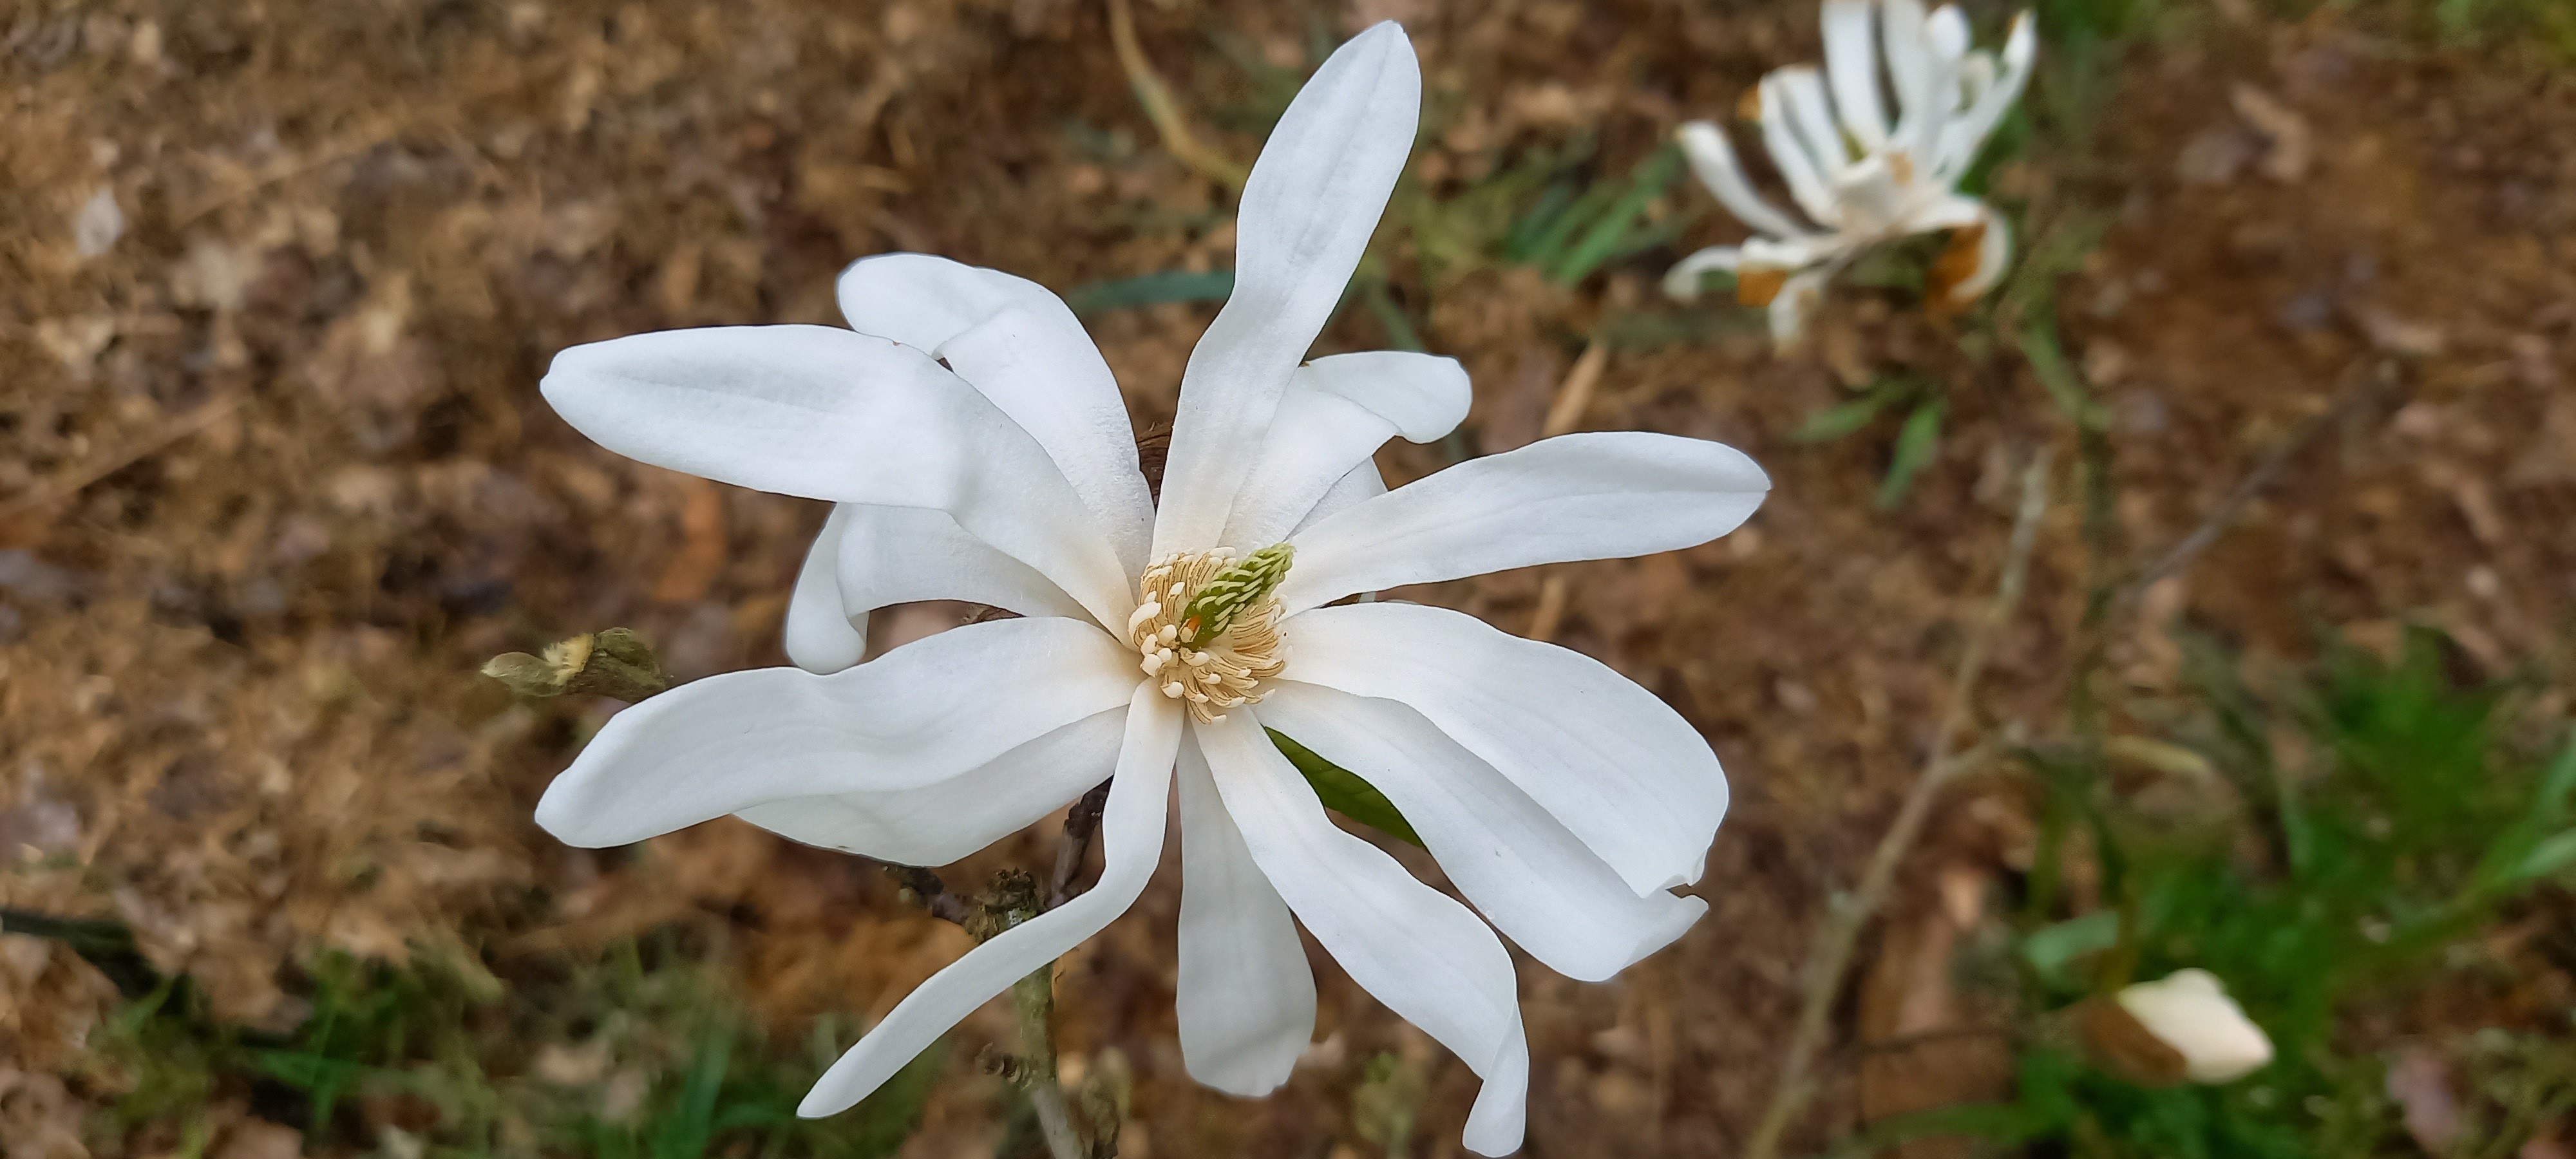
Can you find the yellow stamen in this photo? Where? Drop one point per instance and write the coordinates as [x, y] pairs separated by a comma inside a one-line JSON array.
[[1227, 667]]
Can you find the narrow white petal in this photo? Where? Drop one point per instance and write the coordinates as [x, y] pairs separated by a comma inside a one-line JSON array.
[[1994, 246], [1246, 999], [830, 414], [1851, 63], [1594, 495], [1797, 163], [1524, 869], [1361, 485], [1131, 842], [1313, 199], [1909, 63], [1336, 414], [1618, 767], [1425, 956], [1945, 49], [1682, 282], [1023, 348], [895, 555], [918, 715], [1812, 115], [1962, 140], [1713, 161], [1797, 300], [942, 822], [822, 636]]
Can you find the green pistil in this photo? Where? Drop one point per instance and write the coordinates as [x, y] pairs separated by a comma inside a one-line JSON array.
[[1226, 596]]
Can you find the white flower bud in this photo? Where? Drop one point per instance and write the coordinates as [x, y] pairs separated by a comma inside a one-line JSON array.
[[2189, 1010]]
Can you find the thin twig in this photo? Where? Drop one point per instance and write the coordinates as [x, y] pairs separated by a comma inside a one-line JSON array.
[[1845, 916], [1162, 109], [169, 430], [1034, 995], [930, 892], [2350, 400]]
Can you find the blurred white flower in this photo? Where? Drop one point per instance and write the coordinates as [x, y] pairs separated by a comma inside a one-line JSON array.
[[2189, 1010], [1859, 180], [977, 448]]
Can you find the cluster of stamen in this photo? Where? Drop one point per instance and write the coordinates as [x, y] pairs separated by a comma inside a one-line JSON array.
[[1209, 654]]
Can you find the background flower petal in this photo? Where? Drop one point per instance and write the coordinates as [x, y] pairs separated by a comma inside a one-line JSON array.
[[1338, 411], [920, 714], [1596, 495], [946, 820], [1529, 875], [1617, 766], [1131, 843], [1308, 208], [830, 414], [1851, 65], [1246, 998], [1428, 958], [1020, 345]]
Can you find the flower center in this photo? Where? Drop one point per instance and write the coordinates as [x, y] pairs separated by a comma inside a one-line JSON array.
[[1208, 627]]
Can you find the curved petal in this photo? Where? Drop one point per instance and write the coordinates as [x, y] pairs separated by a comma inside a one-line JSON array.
[[941, 822], [1530, 875], [1595, 495], [918, 715], [829, 414], [1929, 112], [1618, 767], [1909, 63], [1797, 300], [822, 636], [1313, 199], [1962, 140], [1713, 161], [1682, 282], [895, 555], [1023, 348], [1131, 842], [1411, 947], [1798, 164], [1851, 64], [1361, 485], [1246, 999], [1336, 414], [1994, 255]]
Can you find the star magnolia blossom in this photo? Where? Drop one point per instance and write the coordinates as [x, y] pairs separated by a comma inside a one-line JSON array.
[[978, 449], [1860, 181]]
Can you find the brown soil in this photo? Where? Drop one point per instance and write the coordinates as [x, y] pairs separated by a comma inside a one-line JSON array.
[[276, 479]]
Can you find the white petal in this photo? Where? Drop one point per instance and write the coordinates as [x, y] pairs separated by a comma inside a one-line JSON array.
[[1594, 495], [1336, 414], [1994, 255], [1798, 299], [1909, 63], [1530, 875], [1313, 199], [1790, 153], [1812, 115], [828, 414], [1131, 842], [920, 714], [1682, 282], [896, 555], [1713, 161], [823, 637], [1929, 114], [942, 822], [1246, 999], [1615, 765], [1023, 348], [1961, 141], [1422, 954], [1851, 63], [1361, 485]]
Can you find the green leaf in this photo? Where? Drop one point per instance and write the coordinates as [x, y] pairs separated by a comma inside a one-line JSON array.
[[2038, 342], [2051, 949], [2550, 856], [1651, 178], [1832, 423], [1344, 792], [1151, 290], [1915, 446]]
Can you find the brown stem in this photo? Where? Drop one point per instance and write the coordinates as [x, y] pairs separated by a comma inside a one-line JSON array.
[[1830, 959], [1080, 823], [1162, 109]]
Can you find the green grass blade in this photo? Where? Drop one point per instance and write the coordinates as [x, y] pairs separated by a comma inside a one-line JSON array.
[[1151, 290], [1344, 792], [1916, 445]]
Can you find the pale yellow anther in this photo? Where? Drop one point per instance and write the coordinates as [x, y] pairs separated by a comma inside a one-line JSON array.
[[1207, 673]]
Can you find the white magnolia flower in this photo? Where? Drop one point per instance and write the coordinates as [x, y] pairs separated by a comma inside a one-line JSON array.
[[1860, 181], [2189, 1010], [978, 449]]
